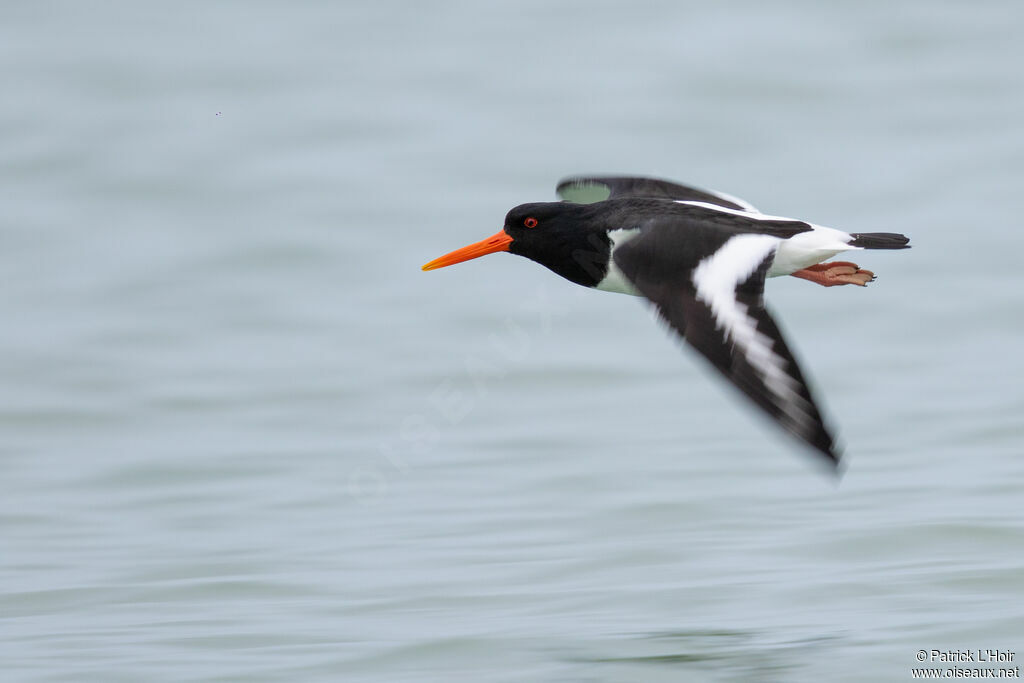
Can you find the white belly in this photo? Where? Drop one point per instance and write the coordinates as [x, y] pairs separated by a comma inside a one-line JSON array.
[[796, 253], [807, 248]]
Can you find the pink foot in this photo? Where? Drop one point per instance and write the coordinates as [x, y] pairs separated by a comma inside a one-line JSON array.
[[836, 273]]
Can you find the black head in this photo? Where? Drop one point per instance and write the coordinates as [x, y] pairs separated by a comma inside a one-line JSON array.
[[561, 236], [570, 239]]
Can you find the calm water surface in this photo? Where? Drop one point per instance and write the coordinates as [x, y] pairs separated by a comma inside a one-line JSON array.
[[245, 438]]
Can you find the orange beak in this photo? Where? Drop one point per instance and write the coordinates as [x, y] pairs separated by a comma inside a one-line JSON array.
[[492, 244]]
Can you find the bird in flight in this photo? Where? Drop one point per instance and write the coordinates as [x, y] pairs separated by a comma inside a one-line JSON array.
[[701, 258]]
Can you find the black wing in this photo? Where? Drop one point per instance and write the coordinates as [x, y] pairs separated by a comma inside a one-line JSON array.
[[708, 285], [590, 189]]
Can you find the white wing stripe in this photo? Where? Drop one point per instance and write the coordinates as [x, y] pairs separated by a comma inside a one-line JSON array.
[[715, 279], [752, 215], [743, 203]]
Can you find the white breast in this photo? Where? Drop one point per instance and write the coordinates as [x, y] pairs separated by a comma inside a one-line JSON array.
[[614, 280]]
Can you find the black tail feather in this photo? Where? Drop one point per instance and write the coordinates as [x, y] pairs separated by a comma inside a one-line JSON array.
[[880, 240]]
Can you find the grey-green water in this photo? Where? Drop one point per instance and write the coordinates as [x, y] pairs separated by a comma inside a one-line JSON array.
[[243, 437]]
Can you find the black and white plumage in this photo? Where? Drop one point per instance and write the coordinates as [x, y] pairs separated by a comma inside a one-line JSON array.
[[701, 258]]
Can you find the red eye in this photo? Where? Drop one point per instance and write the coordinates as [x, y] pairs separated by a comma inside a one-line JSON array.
[[530, 222]]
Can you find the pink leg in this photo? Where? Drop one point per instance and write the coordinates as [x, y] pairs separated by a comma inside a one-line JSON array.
[[836, 273]]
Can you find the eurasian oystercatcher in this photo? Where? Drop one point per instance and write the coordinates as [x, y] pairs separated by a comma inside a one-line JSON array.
[[701, 258]]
